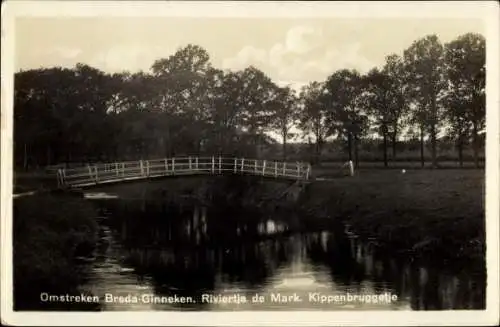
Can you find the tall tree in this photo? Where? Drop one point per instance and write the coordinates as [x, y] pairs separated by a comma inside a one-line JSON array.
[[284, 107], [379, 98], [394, 68], [181, 84], [424, 60], [314, 116], [346, 113], [465, 68]]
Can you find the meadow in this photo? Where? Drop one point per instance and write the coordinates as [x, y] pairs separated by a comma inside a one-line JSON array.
[[422, 212]]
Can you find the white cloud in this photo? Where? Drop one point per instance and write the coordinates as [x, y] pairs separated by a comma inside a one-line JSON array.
[[245, 56], [129, 57], [66, 52], [303, 56], [301, 39]]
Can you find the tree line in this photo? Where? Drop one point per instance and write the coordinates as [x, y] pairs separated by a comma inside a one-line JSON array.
[[185, 106]]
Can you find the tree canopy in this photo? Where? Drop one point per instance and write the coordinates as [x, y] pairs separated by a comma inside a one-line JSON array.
[[184, 105]]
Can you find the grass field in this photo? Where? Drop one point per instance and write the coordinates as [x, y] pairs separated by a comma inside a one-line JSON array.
[[423, 212]]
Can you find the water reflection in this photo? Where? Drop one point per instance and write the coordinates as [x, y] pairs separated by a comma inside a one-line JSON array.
[[200, 250]]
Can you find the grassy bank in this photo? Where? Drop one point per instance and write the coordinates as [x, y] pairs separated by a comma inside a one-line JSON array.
[[50, 231], [432, 213]]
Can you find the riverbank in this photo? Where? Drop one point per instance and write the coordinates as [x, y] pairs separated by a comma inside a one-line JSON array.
[[420, 213], [50, 232]]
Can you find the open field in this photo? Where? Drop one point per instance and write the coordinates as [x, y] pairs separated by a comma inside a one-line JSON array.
[[421, 212]]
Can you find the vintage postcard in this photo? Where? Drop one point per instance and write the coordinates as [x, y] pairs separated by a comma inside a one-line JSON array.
[[250, 163]]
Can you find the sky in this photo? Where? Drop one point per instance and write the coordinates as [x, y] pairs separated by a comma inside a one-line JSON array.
[[292, 51]]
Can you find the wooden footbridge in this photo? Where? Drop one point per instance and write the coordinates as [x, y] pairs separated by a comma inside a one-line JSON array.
[[116, 172]]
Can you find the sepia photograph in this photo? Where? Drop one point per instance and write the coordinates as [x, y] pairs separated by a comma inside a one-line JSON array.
[[217, 163]]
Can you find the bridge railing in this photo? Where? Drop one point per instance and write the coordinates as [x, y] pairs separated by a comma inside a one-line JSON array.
[[130, 170]]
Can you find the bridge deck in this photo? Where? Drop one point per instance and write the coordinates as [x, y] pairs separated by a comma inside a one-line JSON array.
[[143, 169]]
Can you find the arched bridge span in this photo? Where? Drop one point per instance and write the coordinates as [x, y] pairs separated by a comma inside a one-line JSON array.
[[116, 172]]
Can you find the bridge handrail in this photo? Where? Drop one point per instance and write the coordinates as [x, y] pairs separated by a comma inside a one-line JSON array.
[[120, 171]]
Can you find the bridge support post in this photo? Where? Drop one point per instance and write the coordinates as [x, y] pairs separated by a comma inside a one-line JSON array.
[[235, 165], [298, 169], [276, 169], [173, 165], [166, 165], [220, 164], [242, 164], [284, 168], [213, 165], [263, 168], [189, 160], [147, 168], [255, 166], [141, 164], [123, 169], [196, 163], [308, 171]]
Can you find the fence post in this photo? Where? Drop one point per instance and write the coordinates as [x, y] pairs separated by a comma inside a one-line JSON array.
[[173, 165], [255, 166], [263, 167], [91, 175], [64, 175], [298, 169], [308, 171], [275, 169], [242, 164], [235, 165], [166, 165], [142, 167], [351, 168], [60, 178], [284, 168], [147, 168], [189, 160], [116, 169], [196, 163], [220, 164], [96, 174], [213, 165], [123, 169]]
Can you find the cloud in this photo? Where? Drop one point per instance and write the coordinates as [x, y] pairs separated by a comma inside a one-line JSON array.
[[304, 55], [301, 39], [66, 52], [130, 57]]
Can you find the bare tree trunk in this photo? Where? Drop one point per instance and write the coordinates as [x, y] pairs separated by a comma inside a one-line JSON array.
[[356, 152], [422, 159], [394, 134], [460, 148], [349, 145], [434, 133], [284, 135], [434, 145], [475, 145], [385, 150], [317, 152]]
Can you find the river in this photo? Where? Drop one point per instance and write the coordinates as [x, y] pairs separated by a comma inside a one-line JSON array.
[[202, 257]]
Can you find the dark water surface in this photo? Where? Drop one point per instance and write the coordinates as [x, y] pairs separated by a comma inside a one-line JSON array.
[[214, 258]]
